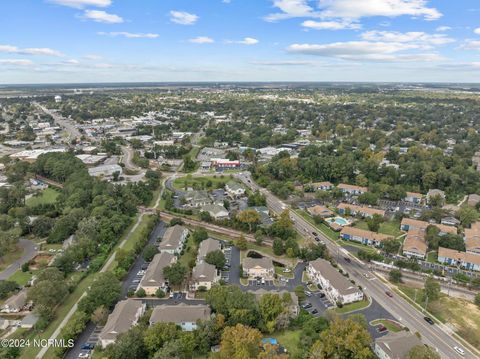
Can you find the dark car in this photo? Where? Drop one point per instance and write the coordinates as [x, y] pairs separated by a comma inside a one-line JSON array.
[[347, 259], [315, 311], [389, 294], [144, 266], [315, 234], [381, 328], [429, 320], [88, 346], [322, 295]]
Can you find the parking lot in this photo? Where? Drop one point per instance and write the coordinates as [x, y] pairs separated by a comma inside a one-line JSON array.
[[260, 283], [316, 303], [227, 251]]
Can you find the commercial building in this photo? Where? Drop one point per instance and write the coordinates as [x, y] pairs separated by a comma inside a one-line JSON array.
[[258, 267]]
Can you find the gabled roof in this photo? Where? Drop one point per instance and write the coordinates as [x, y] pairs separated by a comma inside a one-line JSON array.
[[337, 280], [17, 300], [122, 318], [397, 345], [172, 237], [373, 236], [251, 263], [204, 272], [352, 187], [415, 242], [181, 313], [207, 246], [154, 274], [361, 209]]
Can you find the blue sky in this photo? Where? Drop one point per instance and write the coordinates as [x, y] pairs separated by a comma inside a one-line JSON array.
[[64, 41]]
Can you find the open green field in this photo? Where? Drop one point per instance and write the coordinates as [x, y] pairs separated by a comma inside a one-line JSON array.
[[20, 277], [204, 182], [462, 314], [391, 228], [47, 196], [290, 339], [189, 253]]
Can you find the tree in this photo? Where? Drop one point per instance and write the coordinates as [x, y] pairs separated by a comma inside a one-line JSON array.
[[422, 352], [278, 247], [6, 287], [175, 273], [128, 345], [467, 215], [432, 289], [42, 226], [160, 293], [374, 222], [158, 334], [241, 243], [100, 315], [249, 216], [395, 276], [199, 235], [270, 306], [346, 339], [477, 299], [141, 293], [240, 342], [270, 352], [216, 258], [104, 291], [391, 246], [149, 252]]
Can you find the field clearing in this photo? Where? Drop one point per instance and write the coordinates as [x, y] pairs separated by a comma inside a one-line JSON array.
[[47, 196]]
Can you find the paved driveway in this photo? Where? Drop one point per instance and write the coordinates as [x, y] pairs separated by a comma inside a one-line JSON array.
[[29, 251]]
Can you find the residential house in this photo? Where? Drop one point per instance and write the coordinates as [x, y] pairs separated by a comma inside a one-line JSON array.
[[184, 315], [216, 211], [472, 238], [125, 315], [352, 189], [173, 239], [465, 260], [363, 236], [320, 211], [16, 303], [435, 193], [355, 210], [204, 275], [336, 287], [322, 186], [264, 213], [410, 223], [414, 197], [196, 199], [154, 278], [258, 267], [234, 189], [207, 246], [395, 345], [414, 245]]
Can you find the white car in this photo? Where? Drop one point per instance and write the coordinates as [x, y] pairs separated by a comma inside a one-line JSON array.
[[83, 355], [459, 351], [287, 270], [140, 273]]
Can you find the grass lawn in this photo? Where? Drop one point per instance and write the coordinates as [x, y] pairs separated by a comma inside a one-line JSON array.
[[189, 253], [352, 306], [47, 246], [20, 277], [290, 339], [391, 228], [432, 257], [392, 326], [280, 271], [47, 196], [217, 181]]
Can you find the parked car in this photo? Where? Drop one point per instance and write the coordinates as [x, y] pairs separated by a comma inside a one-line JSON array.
[[140, 273], [429, 320], [315, 234], [135, 281], [144, 266], [315, 311], [322, 295], [88, 346], [307, 305], [308, 293], [83, 355], [381, 328]]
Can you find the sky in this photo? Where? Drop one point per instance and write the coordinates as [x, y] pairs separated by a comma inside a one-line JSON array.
[[76, 41]]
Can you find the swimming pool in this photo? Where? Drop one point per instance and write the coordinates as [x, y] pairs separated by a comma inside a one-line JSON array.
[[338, 220]]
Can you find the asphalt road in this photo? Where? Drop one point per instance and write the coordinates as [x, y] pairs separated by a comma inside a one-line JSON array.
[[29, 251], [436, 336]]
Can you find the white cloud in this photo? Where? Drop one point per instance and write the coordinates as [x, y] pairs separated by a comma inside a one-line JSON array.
[[477, 31], [202, 40], [71, 62], [183, 18], [365, 51], [415, 37], [80, 4], [245, 41], [102, 16], [330, 25], [16, 62], [353, 9], [41, 51], [129, 35], [443, 28], [283, 63], [92, 57], [471, 45]]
